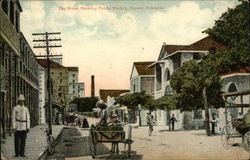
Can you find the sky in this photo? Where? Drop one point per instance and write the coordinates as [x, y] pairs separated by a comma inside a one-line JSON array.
[[104, 38]]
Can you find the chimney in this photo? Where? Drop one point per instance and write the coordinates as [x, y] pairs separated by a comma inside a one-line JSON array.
[[92, 86]]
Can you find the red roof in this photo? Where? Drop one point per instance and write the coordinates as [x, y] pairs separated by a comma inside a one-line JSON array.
[[143, 69], [44, 64], [241, 70], [73, 69], [205, 44], [104, 93], [172, 48]]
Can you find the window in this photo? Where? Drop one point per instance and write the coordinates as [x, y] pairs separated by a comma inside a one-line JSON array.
[[5, 6], [17, 21], [73, 75], [196, 56], [73, 86], [73, 81], [60, 94], [12, 12], [60, 80], [60, 73], [73, 92]]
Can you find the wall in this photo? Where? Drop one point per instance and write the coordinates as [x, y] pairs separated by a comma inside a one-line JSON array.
[[241, 81], [147, 84]]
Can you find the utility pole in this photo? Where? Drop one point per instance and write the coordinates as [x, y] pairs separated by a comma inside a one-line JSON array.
[[46, 40]]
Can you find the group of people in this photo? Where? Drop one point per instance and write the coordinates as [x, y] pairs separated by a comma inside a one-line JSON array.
[[151, 123]]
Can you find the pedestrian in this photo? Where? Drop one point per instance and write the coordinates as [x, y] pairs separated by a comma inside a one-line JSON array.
[[150, 124], [20, 126], [213, 122], [85, 123], [172, 121], [79, 122]]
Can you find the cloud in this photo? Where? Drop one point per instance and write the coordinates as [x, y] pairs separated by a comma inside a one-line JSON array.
[[33, 16], [105, 44], [184, 23]]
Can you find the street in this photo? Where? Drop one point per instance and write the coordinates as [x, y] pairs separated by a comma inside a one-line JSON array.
[[191, 145]]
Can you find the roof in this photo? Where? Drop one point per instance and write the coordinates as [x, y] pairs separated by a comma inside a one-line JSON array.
[[44, 64], [75, 69], [104, 93], [172, 48], [241, 70], [143, 69], [205, 44]]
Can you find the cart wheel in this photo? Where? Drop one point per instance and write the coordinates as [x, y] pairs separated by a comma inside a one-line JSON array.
[[246, 141], [226, 137]]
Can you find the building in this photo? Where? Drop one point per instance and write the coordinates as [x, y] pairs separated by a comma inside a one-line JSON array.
[[42, 79], [76, 89], [18, 66], [142, 79], [108, 97], [170, 59], [60, 86]]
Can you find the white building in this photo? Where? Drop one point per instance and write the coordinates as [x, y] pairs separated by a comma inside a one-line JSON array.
[[42, 79], [142, 79], [170, 59], [76, 88]]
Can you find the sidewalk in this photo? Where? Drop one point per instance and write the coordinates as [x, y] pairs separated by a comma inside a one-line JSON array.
[[36, 143]]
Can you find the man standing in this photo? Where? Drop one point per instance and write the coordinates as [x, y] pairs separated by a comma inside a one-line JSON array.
[[20, 126], [172, 121], [150, 124], [213, 122]]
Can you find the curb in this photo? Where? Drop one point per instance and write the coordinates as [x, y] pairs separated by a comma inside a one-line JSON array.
[[44, 154]]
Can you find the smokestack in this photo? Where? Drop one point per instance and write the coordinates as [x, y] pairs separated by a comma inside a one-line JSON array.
[[92, 86]]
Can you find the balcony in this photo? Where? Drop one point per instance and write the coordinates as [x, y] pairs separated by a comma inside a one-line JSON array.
[[8, 32]]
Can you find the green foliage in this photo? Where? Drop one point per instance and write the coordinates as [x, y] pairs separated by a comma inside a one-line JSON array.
[[102, 106], [232, 30], [133, 100], [85, 104]]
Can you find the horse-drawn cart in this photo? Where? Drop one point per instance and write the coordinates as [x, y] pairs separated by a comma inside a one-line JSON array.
[[108, 134], [239, 127]]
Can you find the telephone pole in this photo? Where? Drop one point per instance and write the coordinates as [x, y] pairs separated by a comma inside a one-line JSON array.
[[45, 42]]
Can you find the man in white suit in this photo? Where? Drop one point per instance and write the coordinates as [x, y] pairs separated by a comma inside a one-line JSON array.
[[20, 126]]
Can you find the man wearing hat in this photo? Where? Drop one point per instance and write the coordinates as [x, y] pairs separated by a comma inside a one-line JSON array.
[[20, 126]]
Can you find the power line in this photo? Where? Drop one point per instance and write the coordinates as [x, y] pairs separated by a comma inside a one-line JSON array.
[[46, 45]]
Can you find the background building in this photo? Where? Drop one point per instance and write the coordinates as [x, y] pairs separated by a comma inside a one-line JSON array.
[[60, 87], [76, 89]]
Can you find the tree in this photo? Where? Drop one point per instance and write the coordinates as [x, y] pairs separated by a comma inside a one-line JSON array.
[[203, 78], [102, 106], [85, 104], [135, 101], [232, 30]]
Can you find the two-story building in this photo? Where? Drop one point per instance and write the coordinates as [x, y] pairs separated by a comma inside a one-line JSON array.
[[170, 59], [142, 78], [18, 66]]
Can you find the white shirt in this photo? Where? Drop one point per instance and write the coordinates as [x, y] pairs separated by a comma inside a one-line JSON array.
[[20, 118]]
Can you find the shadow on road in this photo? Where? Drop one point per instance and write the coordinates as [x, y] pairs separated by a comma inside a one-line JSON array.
[[72, 144]]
